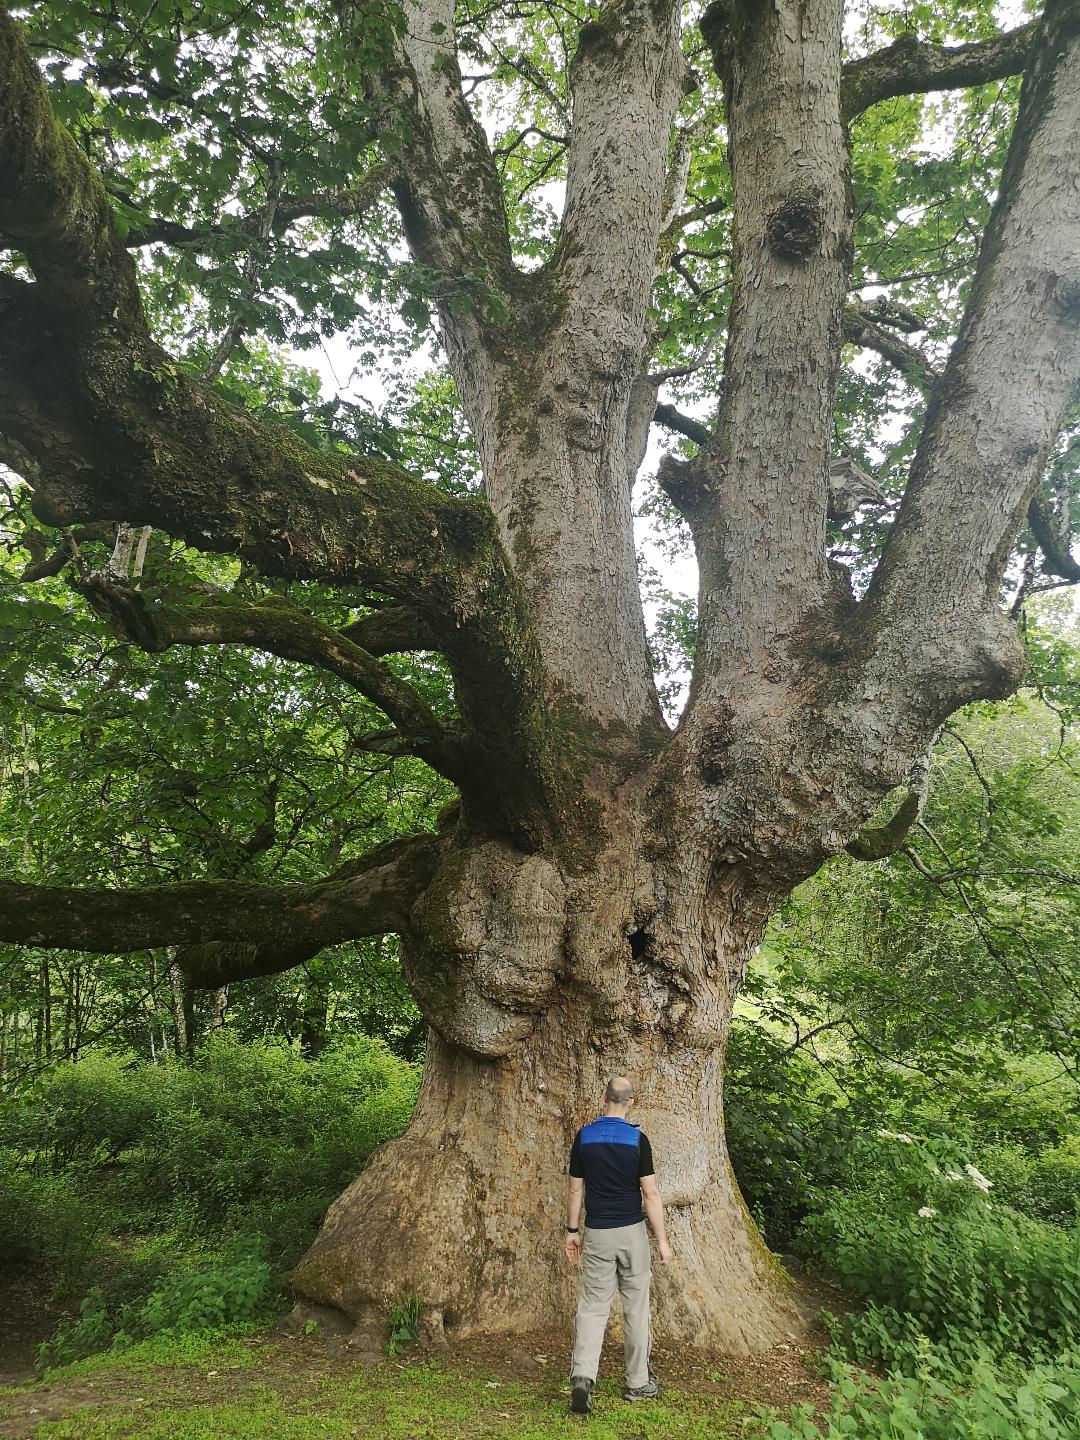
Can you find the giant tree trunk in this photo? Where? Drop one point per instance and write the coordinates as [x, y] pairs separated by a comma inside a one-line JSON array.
[[543, 983]]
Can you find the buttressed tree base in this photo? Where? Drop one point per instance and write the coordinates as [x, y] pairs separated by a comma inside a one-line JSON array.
[[590, 905]]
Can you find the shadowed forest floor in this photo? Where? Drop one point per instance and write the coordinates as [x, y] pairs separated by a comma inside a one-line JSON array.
[[268, 1386]]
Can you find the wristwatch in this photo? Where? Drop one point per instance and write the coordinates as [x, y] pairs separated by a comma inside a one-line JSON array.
[[571, 1229]]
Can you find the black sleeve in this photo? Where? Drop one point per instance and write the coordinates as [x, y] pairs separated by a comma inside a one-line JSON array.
[[644, 1162], [575, 1158]]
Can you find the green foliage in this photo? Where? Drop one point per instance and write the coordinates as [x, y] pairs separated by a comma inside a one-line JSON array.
[[206, 1298], [790, 1140], [187, 1192], [402, 1323], [987, 1402], [44, 1220], [964, 1280], [249, 1139], [1046, 1184]]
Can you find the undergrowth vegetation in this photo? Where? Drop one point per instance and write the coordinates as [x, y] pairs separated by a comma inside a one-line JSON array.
[[171, 1198], [949, 1214]]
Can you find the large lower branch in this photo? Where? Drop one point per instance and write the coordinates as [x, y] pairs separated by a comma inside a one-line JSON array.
[[910, 66], [279, 629], [372, 896]]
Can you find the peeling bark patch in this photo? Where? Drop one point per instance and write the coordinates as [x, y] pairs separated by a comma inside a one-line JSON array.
[[1067, 296], [794, 228]]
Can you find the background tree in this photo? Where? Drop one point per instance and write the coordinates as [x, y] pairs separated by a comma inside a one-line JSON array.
[[592, 900]]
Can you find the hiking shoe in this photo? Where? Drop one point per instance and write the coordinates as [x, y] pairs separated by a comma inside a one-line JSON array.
[[649, 1391], [581, 1395]]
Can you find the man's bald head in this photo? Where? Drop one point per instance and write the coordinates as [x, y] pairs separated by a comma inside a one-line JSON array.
[[619, 1091]]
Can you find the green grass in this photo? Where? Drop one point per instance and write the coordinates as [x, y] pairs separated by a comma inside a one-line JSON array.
[[154, 1393], [201, 1350]]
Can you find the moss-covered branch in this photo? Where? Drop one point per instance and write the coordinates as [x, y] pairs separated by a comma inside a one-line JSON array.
[[371, 896], [280, 629], [393, 631], [910, 66], [877, 842], [119, 432], [446, 183]]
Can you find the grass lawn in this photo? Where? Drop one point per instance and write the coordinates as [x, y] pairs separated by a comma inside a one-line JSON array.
[[267, 1387]]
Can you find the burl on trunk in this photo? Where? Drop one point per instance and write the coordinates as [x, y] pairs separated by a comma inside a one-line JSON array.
[[542, 979]]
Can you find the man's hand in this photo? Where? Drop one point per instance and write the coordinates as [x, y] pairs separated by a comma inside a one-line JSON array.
[[664, 1251], [573, 1248]]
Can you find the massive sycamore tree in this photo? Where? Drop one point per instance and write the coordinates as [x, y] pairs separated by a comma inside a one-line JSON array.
[[591, 903]]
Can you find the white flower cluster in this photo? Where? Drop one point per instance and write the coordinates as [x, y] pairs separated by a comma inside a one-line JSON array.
[[896, 1135], [977, 1178], [927, 1212]]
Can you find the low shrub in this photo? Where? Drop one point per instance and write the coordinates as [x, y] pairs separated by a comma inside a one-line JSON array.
[[248, 1139], [986, 1402], [44, 1221], [215, 1297], [928, 1248], [1046, 1185], [125, 1175]]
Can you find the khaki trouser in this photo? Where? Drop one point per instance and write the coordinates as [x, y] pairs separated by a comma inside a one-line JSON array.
[[614, 1259]]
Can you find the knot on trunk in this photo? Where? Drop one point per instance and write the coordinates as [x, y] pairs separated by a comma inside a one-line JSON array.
[[794, 228], [486, 946]]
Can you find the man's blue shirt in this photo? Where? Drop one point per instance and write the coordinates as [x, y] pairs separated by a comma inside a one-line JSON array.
[[612, 1157]]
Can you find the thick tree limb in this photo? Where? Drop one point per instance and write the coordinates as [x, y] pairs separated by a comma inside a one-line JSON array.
[[627, 78], [1051, 535], [393, 631], [912, 67], [119, 433], [458, 229], [278, 629], [995, 412], [760, 490], [371, 896]]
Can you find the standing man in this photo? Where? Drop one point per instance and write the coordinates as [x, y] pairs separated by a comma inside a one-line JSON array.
[[611, 1164]]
